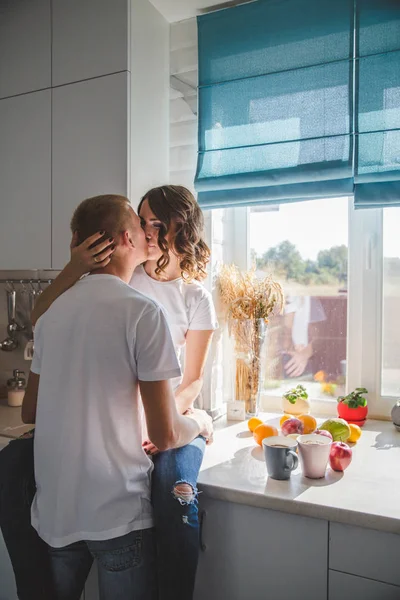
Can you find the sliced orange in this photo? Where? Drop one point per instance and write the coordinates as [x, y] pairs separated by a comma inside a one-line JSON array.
[[310, 424], [263, 431], [253, 423]]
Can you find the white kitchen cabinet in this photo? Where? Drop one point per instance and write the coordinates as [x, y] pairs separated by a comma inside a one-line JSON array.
[[90, 149], [25, 176], [25, 46], [90, 39], [254, 553], [355, 550], [349, 587]]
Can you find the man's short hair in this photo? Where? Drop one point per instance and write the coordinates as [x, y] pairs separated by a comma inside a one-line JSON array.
[[109, 213]]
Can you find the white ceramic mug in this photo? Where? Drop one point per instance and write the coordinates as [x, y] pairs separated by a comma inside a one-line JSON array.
[[314, 452]]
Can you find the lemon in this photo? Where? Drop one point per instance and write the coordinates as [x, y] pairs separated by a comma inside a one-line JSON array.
[[355, 433]]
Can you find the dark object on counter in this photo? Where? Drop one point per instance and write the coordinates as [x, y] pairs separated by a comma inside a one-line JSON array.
[[396, 415], [28, 552]]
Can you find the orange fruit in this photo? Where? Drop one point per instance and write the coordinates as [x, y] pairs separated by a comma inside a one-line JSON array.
[[355, 433], [253, 423], [320, 377], [310, 424], [263, 431], [284, 418]]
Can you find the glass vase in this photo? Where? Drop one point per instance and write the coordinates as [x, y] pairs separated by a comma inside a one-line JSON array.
[[249, 337]]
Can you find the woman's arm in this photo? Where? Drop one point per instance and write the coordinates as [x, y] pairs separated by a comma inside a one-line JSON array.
[[82, 261], [197, 347]]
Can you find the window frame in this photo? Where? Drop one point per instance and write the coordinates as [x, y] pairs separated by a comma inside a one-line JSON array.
[[364, 308]]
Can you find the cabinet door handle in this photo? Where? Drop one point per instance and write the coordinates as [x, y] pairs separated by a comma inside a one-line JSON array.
[[202, 517]]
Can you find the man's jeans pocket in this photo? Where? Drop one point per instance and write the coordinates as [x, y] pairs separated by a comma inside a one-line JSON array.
[[119, 554]]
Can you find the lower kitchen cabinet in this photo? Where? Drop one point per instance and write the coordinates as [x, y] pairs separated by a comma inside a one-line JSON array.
[[8, 591], [353, 550], [350, 587], [254, 553]]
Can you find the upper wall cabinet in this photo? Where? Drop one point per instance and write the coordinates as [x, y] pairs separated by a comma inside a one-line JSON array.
[[25, 175], [25, 46], [90, 38], [90, 149]]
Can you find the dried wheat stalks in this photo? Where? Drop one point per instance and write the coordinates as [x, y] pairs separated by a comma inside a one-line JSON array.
[[247, 297], [247, 300]]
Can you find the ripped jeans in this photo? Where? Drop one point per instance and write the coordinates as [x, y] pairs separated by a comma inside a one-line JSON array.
[[174, 497]]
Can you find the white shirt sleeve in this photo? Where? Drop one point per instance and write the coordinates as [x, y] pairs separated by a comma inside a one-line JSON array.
[[204, 316], [37, 352], [154, 351]]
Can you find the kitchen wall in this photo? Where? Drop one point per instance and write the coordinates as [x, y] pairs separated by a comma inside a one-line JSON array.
[[182, 169], [183, 102], [149, 95]]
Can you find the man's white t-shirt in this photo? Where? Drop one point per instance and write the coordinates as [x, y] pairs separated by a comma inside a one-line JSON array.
[[91, 348], [188, 306]]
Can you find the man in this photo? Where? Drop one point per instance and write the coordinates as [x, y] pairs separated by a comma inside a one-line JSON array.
[[95, 346]]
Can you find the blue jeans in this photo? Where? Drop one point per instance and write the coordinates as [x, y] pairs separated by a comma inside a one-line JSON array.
[[126, 567], [176, 519], [177, 528]]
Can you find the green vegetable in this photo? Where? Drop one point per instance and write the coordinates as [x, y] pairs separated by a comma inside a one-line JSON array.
[[355, 399], [296, 393], [338, 428]]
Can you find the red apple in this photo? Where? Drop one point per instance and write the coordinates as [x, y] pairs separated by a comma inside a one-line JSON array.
[[292, 426], [340, 456], [324, 432]]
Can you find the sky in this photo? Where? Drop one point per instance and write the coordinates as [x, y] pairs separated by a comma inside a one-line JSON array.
[[311, 226], [315, 225]]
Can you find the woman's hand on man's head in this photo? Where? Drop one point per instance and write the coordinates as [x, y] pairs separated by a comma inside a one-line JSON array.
[[89, 256]]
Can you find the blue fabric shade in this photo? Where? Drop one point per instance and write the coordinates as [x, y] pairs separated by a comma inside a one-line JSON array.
[[377, 168], [277, 115]]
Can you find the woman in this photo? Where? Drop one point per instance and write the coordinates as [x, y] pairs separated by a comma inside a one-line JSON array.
[[177, 259]]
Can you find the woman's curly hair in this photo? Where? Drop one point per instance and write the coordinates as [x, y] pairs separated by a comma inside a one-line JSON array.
[[175, 205]]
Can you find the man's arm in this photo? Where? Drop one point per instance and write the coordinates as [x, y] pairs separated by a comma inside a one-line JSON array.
[[29, 404], [166, 427]]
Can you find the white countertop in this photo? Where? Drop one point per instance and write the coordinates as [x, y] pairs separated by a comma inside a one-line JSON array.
[[366, 494], [11, 425]]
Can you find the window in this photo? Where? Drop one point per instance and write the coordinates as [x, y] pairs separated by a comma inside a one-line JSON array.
[[340, 270], [305, 247], [390, 382]]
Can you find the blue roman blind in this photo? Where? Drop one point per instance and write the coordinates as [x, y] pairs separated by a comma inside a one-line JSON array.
[[299, 99], [377, 159], [275, 89]]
